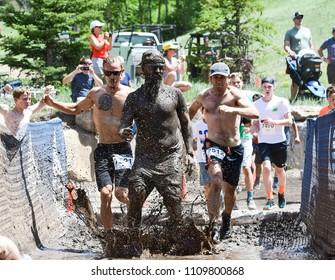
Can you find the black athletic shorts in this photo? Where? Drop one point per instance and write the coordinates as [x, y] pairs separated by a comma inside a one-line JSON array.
[[276, 153], [112, 164]]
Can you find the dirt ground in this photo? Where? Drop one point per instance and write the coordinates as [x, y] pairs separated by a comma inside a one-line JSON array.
[[257, 234]]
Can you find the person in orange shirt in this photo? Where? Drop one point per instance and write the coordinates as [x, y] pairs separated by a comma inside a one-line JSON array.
[[100, 45], [331, 100]]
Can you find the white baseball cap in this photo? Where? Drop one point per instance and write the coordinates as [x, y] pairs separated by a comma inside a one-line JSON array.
[[219, 68], [95, 23]]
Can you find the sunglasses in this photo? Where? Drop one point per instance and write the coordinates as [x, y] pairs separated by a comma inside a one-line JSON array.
[[114, 73]]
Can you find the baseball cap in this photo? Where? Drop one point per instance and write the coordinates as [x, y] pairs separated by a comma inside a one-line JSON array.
[[169, 46], [297, 14], [268, 80], [95, 23], [219, 68]]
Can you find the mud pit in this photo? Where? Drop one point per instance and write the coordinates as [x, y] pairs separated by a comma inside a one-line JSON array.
[[275, 234]]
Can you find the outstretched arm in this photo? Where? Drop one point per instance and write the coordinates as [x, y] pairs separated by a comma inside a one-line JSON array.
[[39, 105], [71, 108]]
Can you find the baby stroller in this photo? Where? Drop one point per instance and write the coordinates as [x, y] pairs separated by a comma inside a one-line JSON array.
[[305, 71]]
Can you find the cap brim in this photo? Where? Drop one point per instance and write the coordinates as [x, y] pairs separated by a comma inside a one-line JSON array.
[[219, 73]]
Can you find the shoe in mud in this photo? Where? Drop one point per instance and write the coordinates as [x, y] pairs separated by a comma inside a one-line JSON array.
[[281, 200], [269, 205], [225, 230], [251, 204]]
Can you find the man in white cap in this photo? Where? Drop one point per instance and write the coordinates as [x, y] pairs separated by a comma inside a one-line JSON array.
[[100, 44], [296, 39], [224, 106]]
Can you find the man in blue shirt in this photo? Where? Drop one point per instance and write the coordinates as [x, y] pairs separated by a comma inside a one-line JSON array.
[[82, 79], [330, 59]]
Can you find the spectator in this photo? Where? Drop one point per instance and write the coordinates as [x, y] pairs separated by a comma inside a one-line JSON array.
[[331, 101], [274, 115], [163, 125], [113, 155], [223, 105], [100, 45], [296, 39], [330, 59], [174, 66], [125, 78], [209, 55], [82, 79]]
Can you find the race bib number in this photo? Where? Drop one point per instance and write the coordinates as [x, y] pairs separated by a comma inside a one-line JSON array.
[[215, 152], [122, 162], [268, 129]]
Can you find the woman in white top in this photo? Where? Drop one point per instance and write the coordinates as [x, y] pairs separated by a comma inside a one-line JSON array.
[[174, 66]]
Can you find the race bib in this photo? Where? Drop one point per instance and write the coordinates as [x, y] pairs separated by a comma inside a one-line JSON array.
[[122, 162], [215, 152], [268, 129]]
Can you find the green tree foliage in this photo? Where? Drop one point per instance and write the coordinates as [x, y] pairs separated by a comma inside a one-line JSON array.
[[238, 27], [38, 48]]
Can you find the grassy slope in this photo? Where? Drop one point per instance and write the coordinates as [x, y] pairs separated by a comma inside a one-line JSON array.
[[318, 17]]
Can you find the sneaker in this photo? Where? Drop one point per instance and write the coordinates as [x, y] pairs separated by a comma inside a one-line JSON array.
[[281, 200], [214, 233], [225, 231], [251, 204], [257, 186], [270, 204]]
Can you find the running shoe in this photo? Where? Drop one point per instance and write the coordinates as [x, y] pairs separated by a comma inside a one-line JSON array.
[[281, 200], [257, 185], [270, 204], [251, 204], [225, 230]]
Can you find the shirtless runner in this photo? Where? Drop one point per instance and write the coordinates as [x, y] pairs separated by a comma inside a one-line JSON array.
[[223, 105], [113, 155]]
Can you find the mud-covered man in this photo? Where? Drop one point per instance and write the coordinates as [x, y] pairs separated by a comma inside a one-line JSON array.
[[113, 155], [223, 106], [163, 126]]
